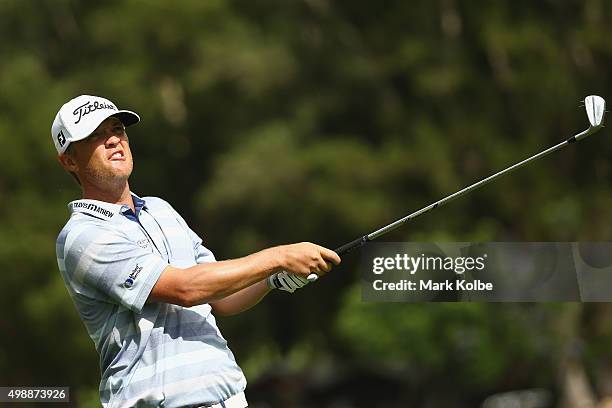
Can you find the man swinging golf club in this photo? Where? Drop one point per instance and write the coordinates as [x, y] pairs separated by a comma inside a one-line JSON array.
[[143, 283]]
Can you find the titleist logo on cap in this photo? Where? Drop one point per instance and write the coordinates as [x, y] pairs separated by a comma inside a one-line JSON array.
[[89, 107]]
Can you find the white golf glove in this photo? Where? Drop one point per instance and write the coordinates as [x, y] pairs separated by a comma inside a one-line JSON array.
[[287, 282]]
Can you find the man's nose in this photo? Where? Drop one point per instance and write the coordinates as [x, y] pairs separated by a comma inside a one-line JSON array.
[[112, 140]]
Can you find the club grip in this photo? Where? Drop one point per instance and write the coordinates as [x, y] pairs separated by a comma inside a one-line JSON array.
[[346, 248]]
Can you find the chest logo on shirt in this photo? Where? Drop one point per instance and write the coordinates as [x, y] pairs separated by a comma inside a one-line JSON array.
[[129, 282], [143, 243]]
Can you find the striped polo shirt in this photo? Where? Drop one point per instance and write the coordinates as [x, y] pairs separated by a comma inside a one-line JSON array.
[[151, 353]]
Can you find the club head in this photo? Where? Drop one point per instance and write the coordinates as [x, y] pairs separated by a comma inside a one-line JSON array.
[[596, 109]]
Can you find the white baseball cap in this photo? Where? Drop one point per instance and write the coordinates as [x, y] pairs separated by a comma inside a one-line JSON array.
[[79, 117]]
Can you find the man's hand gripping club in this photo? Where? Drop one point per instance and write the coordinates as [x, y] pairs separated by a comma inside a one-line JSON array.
[[299, 261]]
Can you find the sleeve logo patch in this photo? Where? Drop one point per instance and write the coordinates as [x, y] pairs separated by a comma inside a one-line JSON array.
[[129, 282]]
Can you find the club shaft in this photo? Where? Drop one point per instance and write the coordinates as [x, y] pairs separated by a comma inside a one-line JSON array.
[[449, 198], [390, 227]]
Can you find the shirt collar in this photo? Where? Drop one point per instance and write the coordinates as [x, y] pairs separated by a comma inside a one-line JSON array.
[[139, 204], [104, 210]]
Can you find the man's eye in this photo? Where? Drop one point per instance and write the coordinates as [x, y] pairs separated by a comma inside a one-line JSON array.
[[119, 129]]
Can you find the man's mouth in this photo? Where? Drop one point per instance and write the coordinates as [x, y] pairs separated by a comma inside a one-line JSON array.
[[118, 155]]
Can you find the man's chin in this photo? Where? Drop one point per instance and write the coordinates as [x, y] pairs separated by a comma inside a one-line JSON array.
[[121, 172], [112, 181], [109, 177], [122, 178]]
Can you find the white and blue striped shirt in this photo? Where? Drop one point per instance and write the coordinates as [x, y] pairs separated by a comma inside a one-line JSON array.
[[151, 354]]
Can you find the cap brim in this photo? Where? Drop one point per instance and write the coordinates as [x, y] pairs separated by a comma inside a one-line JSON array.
[[126, 117]]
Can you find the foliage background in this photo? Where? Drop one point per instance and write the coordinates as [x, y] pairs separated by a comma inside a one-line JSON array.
[[270, 122]]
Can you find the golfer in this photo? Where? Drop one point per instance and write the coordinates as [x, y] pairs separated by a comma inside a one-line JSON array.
[[143, 283]]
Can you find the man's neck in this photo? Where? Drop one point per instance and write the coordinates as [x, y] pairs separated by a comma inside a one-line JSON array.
[[119, 196]]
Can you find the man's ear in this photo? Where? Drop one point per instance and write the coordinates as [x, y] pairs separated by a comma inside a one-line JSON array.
[[68, 162]]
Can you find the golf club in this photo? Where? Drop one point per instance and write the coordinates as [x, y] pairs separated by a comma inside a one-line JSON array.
[[595, 108]]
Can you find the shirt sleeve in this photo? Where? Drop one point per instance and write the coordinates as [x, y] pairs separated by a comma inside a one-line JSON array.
[[104, 264]]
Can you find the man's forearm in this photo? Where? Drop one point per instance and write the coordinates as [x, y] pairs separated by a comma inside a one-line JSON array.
[[216, 281], [241, 300], [210, 282]]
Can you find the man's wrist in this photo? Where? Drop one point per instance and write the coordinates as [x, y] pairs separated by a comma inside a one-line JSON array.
[[273, 260]]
